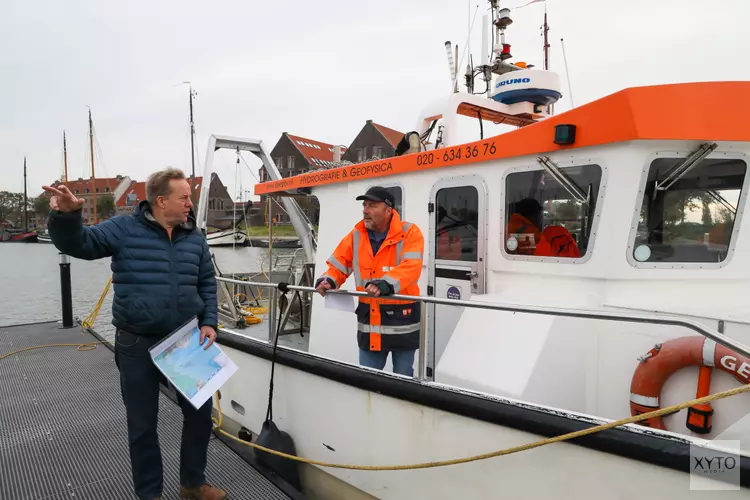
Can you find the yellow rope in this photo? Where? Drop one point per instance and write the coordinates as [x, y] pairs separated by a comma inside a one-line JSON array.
[[426, 465], [484, 456], [79, 347], [88, 322]]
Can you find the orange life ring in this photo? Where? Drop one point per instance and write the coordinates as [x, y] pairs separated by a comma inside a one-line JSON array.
[[667, 358]]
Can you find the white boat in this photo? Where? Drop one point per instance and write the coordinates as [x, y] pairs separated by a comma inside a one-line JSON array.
[[229, 237], [44, 237], [650, 184]]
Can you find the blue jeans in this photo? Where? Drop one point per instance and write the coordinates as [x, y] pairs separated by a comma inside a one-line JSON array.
[[139, 383], [403, 360]]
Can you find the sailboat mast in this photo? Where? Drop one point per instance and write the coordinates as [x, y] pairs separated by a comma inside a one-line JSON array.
[[65, 159], [93, 175], [192, 138], [25, 200]]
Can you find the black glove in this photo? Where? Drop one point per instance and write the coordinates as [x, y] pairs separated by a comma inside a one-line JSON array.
[[384, 287]]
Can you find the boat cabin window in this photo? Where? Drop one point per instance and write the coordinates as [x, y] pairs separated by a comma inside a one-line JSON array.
[[545, 218], [457, 210], [689, 216]]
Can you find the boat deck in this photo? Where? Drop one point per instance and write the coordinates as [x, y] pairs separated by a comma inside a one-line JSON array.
[[63, 433]]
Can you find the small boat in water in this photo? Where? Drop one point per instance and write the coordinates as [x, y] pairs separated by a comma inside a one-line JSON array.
[[18, 236], [11, 234], [229, 237]]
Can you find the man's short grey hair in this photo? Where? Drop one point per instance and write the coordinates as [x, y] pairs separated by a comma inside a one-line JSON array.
[[158, 183]]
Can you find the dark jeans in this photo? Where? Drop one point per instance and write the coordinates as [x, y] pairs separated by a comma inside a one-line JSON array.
[[403, 360], [139, 382]]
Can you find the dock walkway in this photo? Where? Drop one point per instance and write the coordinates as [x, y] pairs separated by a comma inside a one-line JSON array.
[[63, 433]]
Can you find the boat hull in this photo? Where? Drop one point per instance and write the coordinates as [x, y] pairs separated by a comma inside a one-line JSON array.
[[369, 418], [29, 237], [226, 238]]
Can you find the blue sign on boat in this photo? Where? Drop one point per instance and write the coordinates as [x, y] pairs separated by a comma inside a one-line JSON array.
[[453, 293]]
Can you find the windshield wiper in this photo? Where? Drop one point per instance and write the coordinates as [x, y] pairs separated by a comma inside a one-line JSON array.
[[681, 170], [562, 179]]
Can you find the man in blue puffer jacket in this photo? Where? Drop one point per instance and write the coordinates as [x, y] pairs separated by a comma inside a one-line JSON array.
[[163, 276]]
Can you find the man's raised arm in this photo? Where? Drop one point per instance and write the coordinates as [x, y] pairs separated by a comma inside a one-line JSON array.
[[70, 236]]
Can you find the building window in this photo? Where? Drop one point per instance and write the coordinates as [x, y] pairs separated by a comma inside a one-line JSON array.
[[130, 199], [361, 152], [106, 189], [456, 230], [692, 218], [543, 218], [377, 152], [290, 162], [86, 191], [279, 163]]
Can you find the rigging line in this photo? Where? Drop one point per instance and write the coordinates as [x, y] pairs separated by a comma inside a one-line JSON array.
[[256, 178]]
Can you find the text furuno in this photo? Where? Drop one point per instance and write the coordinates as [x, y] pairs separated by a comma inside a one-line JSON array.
[[512, 81]]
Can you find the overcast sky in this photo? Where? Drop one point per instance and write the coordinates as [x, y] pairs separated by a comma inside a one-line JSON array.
[[316, 69]]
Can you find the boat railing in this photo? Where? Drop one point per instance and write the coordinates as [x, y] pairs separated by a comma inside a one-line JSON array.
[[652, 319]]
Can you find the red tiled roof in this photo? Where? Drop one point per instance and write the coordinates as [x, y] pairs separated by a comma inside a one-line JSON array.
[[315, 152], [139, 189], [392, 136], [82, 185]]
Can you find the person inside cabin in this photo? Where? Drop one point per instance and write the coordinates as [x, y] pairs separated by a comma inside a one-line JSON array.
[[448, 242], [385, 255], [524, 226], [163, 277], [523, 229]]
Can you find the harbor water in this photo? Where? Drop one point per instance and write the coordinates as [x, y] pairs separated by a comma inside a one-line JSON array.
[[30, 290]]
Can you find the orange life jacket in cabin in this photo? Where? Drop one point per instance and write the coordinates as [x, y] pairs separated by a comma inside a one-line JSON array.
[[557, 242], [525, 232]]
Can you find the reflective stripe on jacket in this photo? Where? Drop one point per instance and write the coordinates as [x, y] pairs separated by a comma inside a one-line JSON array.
[[383, 323]]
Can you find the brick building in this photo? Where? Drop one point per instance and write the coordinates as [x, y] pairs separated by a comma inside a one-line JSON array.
[[294, 155], [373, 141], [86, 188]]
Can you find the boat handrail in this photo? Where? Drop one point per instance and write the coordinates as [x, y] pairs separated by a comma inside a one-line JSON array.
[[696, 326]]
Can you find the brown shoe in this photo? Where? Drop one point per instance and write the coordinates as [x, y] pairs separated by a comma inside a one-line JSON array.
[[204, 492]]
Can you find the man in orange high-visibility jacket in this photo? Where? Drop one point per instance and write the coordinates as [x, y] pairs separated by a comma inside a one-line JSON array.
[[385, 255]]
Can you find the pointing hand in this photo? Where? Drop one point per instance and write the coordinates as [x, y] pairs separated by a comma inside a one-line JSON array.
[[62, 199]]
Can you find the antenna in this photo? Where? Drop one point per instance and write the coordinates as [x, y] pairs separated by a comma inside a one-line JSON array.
[[545, 30], [468, 27], [451, 65], [453, 73], [567, 74]]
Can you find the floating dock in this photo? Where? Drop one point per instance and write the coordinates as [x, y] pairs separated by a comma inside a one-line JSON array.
[[63, 433]]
